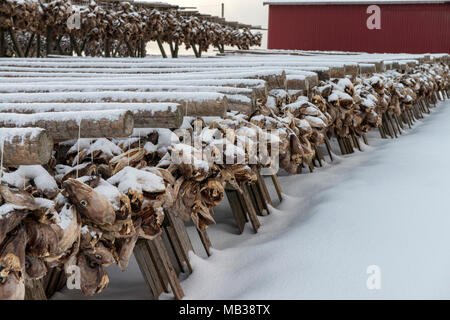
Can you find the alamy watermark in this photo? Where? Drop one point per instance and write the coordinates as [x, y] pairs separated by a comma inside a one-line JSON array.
[[374, 280], [374, 20], [74, 20]]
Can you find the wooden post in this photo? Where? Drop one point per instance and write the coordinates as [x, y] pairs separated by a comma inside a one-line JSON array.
[[341, 145], [30, 43], [17, 47], [130, 49], [177, 48], [161, 48], [38, 46], [48, 42], [148, 269], [143, 49], [54, 280], [195, 49], [236, 208], [172, 49], [2, 43], [168, 269], [328, 145], [156, 268], [179, 239], [263, 186], [250, 209], [356, 141], [205, 241], [318, 155], [107, 48], [58, 45], [276, 183], [255, 198], [34, 290], [365, 139]]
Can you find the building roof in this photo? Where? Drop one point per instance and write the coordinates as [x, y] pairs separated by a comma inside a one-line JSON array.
[[335, 2]]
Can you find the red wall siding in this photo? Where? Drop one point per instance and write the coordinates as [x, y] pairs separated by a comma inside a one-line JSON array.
[[411, 28]]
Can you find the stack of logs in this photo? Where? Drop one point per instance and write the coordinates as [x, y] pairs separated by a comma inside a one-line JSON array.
[[87, 201], [35, 28]]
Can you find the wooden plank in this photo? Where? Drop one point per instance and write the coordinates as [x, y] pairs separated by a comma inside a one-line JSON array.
[[182, 236], [250, 209], [236, 209], [159, 264], [168, 269], [205, 241], [34, 290], [259, 197], [54, 281], [173, 250], [257, 205], [147, 267], [263, 186], [276, 183]]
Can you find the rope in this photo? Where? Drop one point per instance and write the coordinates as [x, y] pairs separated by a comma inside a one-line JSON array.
[[78, 147], [139, 139], [128, 156], [1, 161]]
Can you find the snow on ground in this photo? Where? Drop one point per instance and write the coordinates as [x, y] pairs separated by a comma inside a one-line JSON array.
[[387, 206]]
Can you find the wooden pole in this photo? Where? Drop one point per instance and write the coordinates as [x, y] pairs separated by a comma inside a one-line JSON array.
[[250, 209], [30, 43], [236, 208], [177, 48], [17, 47], [276, 183], [179, 238], [107, 48], [34, 290], [143, 49], [130, 49], [172, 49], [204, 238], [2, 43], [38, 46], [48, 42], [161, 48], [328, 145], [195, 49]]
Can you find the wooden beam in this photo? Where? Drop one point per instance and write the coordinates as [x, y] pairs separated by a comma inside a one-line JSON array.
[[63, 126], [25, 146]]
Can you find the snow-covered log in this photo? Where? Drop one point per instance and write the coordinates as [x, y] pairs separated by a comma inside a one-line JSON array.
[[146, 115], [69, 125], [25, 146]]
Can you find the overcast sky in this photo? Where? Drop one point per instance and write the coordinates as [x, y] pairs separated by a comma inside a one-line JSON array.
[[245, 11]]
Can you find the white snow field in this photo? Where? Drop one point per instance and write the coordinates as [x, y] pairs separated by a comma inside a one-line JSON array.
[[388, 206]]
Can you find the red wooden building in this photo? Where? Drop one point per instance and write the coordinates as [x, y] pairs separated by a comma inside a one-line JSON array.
[[405, 26]]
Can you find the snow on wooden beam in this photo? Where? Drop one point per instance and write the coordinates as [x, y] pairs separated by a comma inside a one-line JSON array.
[[367, 68], [63, 126], [153, 115], [25, 146]]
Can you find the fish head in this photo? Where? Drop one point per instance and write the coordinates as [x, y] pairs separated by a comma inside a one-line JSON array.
[[89, 202]]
